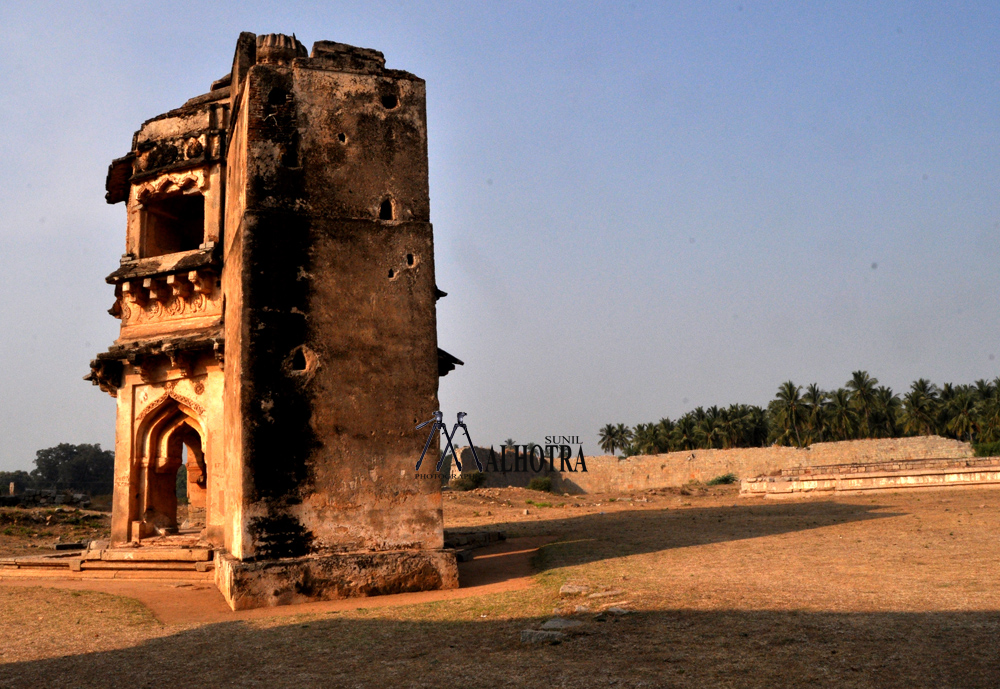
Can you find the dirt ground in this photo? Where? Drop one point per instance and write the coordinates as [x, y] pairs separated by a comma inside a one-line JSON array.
[[886, 590], [36, 530]]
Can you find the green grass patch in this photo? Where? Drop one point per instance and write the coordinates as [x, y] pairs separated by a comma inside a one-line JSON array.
[[724, 480], [540, 483]]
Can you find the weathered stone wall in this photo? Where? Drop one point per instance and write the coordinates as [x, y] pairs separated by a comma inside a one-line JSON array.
[[857, 478], [607, 473], [336, 323]]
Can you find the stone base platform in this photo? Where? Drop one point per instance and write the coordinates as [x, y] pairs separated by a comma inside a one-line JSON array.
[[860, 478], [157, 563], [326, 577]]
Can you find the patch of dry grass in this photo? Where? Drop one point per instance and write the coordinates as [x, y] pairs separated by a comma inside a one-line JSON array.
[[880, 591]]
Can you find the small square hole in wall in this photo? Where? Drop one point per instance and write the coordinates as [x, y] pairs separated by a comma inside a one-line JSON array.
[[172, 224], [385, 210]]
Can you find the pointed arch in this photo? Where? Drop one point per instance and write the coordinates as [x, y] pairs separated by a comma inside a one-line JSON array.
[[165, 428]]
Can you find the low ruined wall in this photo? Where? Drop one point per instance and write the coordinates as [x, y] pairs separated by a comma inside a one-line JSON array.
[[607, 473], [494, 479], [610, 474], [941, 473]]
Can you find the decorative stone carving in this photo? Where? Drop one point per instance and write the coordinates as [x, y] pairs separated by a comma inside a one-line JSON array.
[[181, 295], [162, 399], [171, 183]]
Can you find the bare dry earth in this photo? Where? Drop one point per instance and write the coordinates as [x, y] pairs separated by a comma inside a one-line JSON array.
[[892, 590]]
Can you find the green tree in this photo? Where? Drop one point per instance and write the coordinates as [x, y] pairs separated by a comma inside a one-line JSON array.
[[789, 410], [643, 439], [842, 418], [815, 412], [20, 478], [608, 438], [886, 413], [964, 420], [920, 408], [708, 431], [623, 436], [75, 467], [683, 435], [862, 387], [664, 434]]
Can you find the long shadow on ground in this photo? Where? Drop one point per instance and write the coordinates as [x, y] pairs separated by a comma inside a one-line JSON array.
[[667, 648], [633, 532]]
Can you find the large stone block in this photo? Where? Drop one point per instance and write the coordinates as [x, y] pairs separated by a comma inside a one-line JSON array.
[[286, 581]]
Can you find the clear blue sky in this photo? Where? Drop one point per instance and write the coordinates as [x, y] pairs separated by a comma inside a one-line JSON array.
[[638, 207]]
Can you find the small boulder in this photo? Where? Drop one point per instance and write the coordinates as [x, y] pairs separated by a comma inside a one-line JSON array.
[[535, 636], [560, 623], [606, 594], [573, 589]]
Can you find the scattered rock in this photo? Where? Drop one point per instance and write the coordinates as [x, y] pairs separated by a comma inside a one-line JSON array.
[[534, 636], [582, 608], [70, 546], [573, 589], [560, 623], [606, 594], [465, 555], [615, 610], [527, 512]]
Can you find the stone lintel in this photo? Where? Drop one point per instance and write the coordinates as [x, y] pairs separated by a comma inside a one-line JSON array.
[[289, 581]]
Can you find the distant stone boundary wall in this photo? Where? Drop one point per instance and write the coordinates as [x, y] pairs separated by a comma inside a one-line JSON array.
[[893, 476], [610, 474], [607, 473]]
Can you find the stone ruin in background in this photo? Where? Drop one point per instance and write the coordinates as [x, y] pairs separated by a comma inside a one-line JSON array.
[[278, 328]]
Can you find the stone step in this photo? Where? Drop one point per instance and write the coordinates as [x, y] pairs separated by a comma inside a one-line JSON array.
[[152, 555], [200, 566]]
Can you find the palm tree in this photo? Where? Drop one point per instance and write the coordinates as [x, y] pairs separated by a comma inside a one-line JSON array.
[[815, 402], [964, 422], [683, 435], [862, 387], [887, 406], [708, 430], [756, 426], [789, 410], [984, 390], [664, 433], [644, 439], [608, 439], [509, 442], [989, 420], [920, 408], [623, 436], [842, 418]]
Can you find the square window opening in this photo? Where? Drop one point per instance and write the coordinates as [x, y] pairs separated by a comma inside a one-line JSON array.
[[172, 224]]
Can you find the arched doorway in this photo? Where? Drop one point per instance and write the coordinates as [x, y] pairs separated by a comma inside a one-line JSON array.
[[171, 433]]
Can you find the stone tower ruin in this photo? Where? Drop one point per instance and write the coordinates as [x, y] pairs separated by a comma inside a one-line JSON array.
[[278, 329]]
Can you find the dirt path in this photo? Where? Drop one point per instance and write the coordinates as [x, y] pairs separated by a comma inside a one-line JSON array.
[[505, 566]]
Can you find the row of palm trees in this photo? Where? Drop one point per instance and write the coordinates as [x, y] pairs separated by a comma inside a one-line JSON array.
[[860, 409]]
